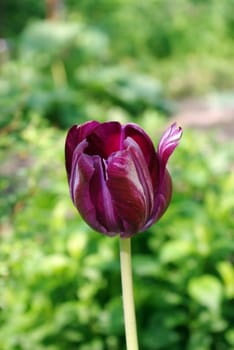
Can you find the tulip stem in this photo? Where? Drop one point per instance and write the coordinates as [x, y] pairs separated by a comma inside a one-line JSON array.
[[127, 292]]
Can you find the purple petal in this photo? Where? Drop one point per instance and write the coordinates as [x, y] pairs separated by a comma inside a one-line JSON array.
[[102, 200], [74, 176], [130, 186], [83, 199], [142, 139], [169, 142], [75, 135], [162, 200], [142, 172], [105, 139], [80, 179], [146, 145]]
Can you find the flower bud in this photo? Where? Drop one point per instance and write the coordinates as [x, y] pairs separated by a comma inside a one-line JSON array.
[[118, 181]]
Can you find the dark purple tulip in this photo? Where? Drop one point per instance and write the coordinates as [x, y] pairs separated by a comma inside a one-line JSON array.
[[118, 181]]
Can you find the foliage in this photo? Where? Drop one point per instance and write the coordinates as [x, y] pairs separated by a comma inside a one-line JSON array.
[[121, 54], [60, 282], [60, 73], [14, 15]]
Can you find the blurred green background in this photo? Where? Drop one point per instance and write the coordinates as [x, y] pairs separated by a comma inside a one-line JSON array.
[[65, 62]]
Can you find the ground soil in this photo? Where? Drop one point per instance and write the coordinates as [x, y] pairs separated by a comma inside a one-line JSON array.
[[211, 112]]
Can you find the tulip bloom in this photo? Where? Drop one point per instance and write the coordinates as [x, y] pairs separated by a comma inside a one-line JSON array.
[[118, 181]]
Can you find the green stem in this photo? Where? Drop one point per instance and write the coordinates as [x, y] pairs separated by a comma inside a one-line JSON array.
[[127, 291]]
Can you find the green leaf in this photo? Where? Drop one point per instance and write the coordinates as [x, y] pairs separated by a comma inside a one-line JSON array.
[[176, 250], [226, 271], [207, 291]]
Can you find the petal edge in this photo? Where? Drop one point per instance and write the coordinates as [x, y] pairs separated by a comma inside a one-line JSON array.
[[168, 142]]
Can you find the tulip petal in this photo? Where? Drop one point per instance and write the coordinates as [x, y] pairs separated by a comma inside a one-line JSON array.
[[143, 173], [130, 186], [74, 176], [168, 142], [142, 139], [83, 198], [80, 187], [164, 196], [75, 135], [162, 200], [105, 139], [101, 198], [146, 145]]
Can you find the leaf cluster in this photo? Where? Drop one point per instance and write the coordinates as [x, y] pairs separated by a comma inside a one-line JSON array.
[[60, 281]]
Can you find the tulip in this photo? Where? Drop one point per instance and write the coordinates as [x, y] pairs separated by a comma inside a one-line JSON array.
[[120, 185], [118, 181]]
